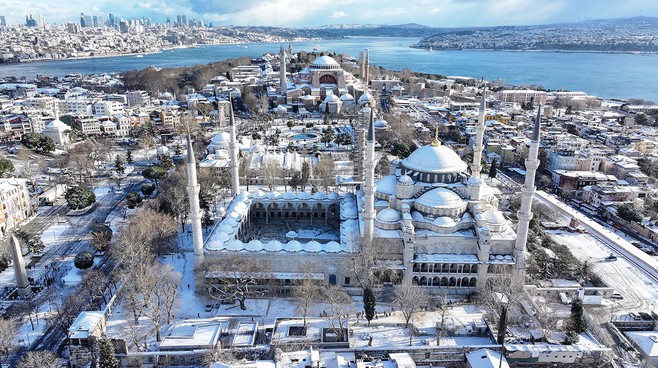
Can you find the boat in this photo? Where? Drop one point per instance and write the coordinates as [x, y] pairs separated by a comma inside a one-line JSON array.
[[140, 56]]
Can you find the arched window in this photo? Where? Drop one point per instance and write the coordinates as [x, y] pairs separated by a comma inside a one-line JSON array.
[[328, 79]]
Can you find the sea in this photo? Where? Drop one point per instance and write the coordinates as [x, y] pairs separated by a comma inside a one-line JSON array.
[[605, 75]]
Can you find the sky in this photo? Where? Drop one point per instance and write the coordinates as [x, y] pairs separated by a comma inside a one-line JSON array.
[[303, 13]]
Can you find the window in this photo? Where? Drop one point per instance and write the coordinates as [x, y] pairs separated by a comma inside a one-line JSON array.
[[347, 281]]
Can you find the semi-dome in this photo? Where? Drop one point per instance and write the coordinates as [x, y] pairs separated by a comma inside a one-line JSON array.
[[58, 125], [388, 215], [366, 98], [440, 198], [325, 62], [436, 159], [405, 180], [494, 218], [444, 221], [386, 185], [381, 124]]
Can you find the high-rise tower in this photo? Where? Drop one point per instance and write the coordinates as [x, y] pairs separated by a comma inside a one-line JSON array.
[[369, 182], [195, 208], [525, 213], [233, 153]]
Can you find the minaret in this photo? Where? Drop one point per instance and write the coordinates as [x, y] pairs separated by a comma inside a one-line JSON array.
[[369, 185], [233, 152], [476, 166], [282, 71], [367, 70], [22, 282], [195, 208], [525, 213]]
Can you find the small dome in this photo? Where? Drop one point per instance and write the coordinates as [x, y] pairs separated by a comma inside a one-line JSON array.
[[319, 196], [273, 246], [332, 247], [366, 97], [444, 222], [281, 109], [347, 97], [254, 245], [57, 125], [163, 150], [440, 197], [304, 195], [331, 98], [313, 246], [437, 159], [388, 215], [325, 62], [381, 124], [405, 180], [220, 138], [293, 246]]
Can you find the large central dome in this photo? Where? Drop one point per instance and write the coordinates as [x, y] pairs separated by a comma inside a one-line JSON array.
[[434, 159], [325, 62]]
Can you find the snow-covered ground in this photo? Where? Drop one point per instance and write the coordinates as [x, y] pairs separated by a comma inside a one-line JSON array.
[[640, 292]]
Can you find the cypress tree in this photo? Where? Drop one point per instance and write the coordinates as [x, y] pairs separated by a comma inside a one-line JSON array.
[[502, 325], [106, 357], [493, 169], [369, 303]]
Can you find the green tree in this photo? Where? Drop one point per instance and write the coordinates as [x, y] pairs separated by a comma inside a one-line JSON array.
[[290, 124], [327, 135], [305, 175], [118, 165], [166, 163], [133, 199], [129, 157], [642, 119], [46, 144], [147, 189], [6, 167], [78, 197], [577, 323], [31, 140], [106, 358], [502, 325], [155, 173], [493, 169], [83, 260], [369, 303], [629, 213]]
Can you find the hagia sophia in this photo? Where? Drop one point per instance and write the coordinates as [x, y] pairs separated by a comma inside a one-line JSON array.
[[433, 221]]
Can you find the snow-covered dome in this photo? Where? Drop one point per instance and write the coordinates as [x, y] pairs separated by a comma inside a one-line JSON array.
[[331, 98], [332, 247], [162, 150], [474, 180], [313, 246], [293, 246], [440, 197], [436, 159], [381, 124], [57, 125], [444, 222], [280, 109], [346, 97], [388, 215], [273, 246], [220, 137], [386, 185], [405, 180], [325, 62], [254, 245], [494, 218], [366, 98]]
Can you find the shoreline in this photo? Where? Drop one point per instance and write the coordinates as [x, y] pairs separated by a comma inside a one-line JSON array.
[[557, 51]]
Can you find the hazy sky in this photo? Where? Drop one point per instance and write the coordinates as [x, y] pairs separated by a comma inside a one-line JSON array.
[[297, 13]]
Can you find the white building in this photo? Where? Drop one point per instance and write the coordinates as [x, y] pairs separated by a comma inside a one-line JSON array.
[[15, 201], [58, 132]]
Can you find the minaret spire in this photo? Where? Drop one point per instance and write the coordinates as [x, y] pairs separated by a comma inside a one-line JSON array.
[[195, 207], [367, 76], [476, 165], [22, 282], [525, 213], [282, 72], [369, 185], [233, 152]]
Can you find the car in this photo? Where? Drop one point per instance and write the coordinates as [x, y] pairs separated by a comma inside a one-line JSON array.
[[617, 296], [611, 258], [208, 307]]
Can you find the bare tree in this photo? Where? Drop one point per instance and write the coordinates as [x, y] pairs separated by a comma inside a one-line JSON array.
[[38, 359], [236, 277], [442, 309], [7, 332], [163, 299], [272, 171], [245, 171], [325, 172], [340, 307], [307, 294], [80, 160], [410, 299]]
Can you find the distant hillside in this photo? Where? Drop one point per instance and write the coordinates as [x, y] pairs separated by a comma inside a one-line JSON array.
[[638, 34]]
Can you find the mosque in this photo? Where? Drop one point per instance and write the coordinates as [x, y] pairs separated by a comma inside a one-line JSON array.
[[430, 222]]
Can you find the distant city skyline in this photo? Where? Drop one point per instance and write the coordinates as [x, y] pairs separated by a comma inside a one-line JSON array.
[[290, 13]]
